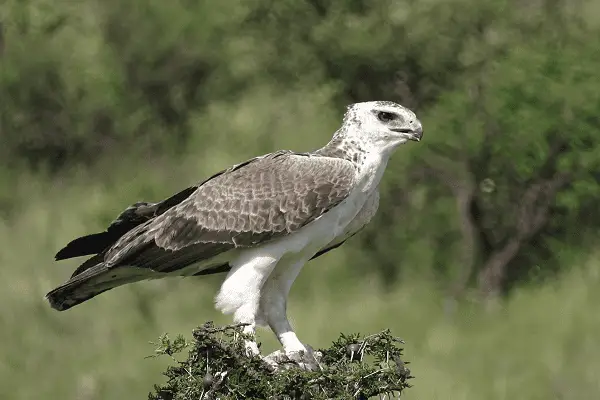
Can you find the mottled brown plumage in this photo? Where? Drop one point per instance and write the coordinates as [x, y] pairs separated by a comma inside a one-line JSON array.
[[247, 204], [270, 196]]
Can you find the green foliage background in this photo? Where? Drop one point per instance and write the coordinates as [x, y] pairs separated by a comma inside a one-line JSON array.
[[482, 257]]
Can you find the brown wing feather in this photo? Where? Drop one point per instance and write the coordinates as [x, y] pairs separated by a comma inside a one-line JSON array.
[[243, 206], [133, 216], [266, 198]]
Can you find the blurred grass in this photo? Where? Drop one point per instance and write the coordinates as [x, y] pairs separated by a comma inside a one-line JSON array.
[[540, 344]]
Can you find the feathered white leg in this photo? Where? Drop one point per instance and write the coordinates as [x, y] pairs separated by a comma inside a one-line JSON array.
[[240, 292], [273, 310]]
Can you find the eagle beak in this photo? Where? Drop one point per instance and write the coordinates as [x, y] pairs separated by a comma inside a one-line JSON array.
[[411, 134], [417, 134]]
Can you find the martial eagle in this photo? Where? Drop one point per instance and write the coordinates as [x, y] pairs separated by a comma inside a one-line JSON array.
[[259, 221]]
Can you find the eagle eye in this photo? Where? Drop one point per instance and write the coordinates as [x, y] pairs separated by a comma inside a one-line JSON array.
[[384, 116]]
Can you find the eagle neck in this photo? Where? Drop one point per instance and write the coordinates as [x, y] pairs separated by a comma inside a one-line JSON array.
[[344, 146], [370, 162]]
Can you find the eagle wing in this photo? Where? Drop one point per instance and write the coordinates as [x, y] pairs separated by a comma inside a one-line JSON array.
[[247, 205]]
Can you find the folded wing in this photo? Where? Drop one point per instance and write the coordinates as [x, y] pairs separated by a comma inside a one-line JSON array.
[[246, 205]]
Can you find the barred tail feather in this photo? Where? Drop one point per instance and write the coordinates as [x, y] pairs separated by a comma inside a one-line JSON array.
[[90, 283]]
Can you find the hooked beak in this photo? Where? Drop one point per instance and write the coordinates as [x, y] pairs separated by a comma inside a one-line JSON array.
[[411, 134]]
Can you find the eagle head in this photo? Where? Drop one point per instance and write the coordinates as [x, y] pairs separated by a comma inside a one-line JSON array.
[[382, 124]]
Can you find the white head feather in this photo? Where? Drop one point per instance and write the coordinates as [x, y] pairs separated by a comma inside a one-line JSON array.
[[381, 125]]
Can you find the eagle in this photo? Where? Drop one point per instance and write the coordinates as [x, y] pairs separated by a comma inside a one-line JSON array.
[[259, 222]]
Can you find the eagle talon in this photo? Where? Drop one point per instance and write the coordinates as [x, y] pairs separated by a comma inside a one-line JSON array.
[[251, 349], [308, 360]]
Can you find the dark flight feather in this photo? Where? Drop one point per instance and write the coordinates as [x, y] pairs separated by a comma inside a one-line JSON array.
[[133, 216]]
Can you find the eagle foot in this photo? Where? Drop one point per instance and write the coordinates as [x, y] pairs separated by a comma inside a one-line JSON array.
[[308, 360], [251, 348]]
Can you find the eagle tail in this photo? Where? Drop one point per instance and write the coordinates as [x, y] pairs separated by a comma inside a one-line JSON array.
[[90, 283]]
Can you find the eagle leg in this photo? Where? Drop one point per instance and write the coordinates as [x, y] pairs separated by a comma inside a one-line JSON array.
[[273, 311], [250, 342]]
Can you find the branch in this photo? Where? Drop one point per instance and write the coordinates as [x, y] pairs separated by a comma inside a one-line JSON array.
[[492, 273], [532, 215], [464, 192], [533, 210]]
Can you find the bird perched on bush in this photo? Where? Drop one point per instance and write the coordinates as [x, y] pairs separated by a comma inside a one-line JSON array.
[[259, 221]]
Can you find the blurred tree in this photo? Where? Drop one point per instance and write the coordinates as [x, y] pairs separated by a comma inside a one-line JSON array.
[[507, 91], [516, 145]]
